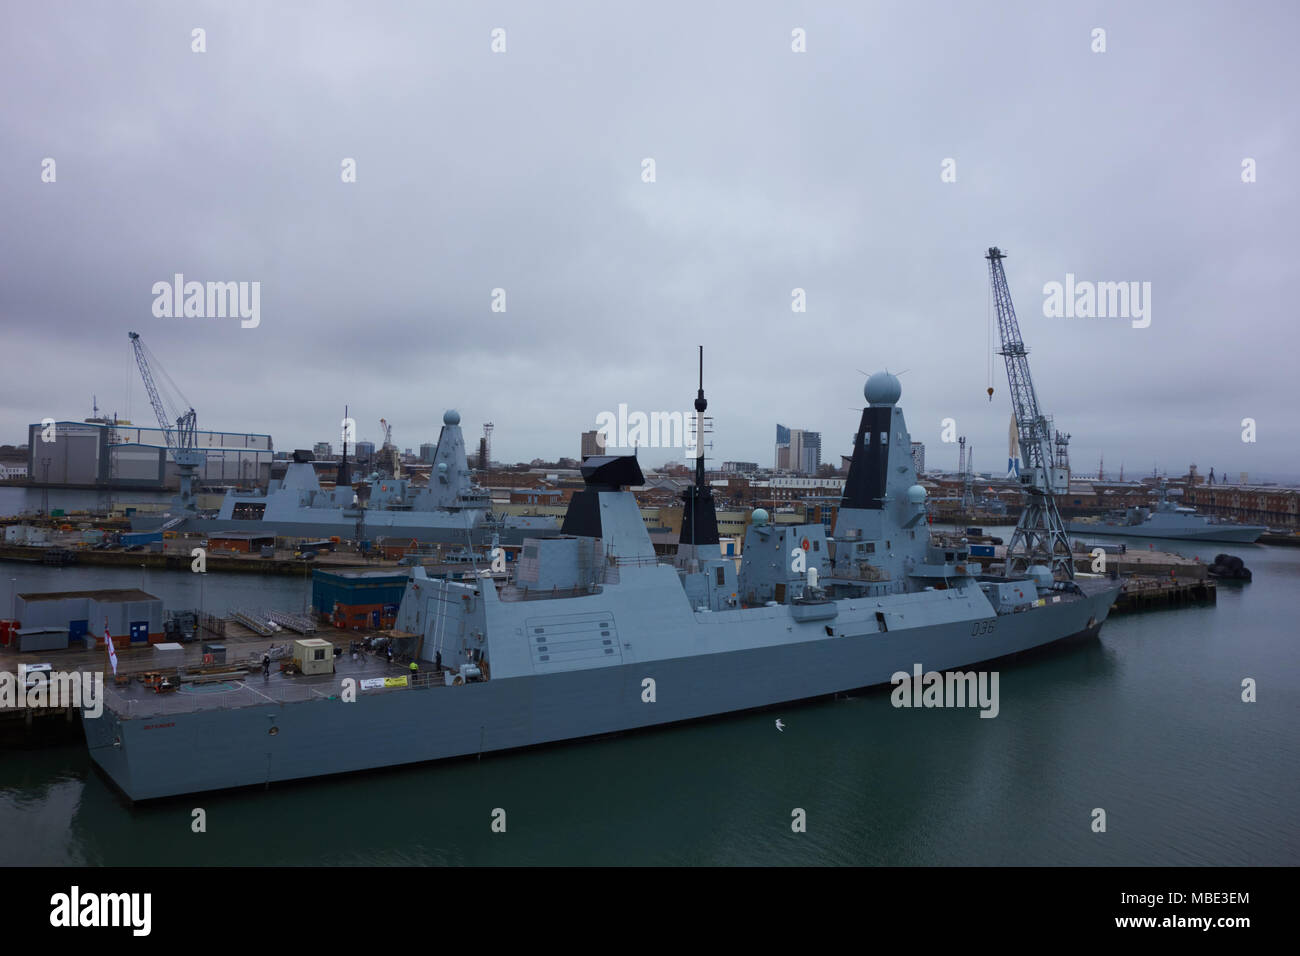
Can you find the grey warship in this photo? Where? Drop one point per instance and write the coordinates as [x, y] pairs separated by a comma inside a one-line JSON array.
[[595, 634], [1168, 520], [451, 509]]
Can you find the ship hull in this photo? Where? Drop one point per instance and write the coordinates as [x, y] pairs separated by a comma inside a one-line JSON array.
[[1225, 533], [154, 757], [373, 529]]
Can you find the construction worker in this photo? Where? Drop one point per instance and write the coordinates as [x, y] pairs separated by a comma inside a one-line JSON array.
[[415, 672]]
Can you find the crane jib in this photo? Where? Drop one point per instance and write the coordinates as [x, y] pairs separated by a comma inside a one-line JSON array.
[[1040, 536], [182, 432]]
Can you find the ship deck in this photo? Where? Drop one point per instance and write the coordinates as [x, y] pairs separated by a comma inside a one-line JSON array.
[[250, 690]]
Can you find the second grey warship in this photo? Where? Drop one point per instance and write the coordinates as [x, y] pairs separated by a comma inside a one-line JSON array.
[[450, 509], [1168, 520], [595, 634]]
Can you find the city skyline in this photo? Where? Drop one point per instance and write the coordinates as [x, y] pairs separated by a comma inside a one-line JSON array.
[[935, 456]]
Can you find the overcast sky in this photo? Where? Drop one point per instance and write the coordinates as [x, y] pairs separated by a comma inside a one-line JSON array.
[[774, 170]]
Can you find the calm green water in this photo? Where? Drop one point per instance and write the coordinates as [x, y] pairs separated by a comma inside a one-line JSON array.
[[1145, 722]]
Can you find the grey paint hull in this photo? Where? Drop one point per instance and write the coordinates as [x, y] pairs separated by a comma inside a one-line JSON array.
[[373, 529], [152, 757], [1226, 533]]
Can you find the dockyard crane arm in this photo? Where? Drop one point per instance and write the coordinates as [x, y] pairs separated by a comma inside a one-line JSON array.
[[180, 431], [1034, 429], [1039, 537]]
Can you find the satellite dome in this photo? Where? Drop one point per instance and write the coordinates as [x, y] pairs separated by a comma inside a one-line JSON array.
[[882, 389], [916, 495], [759, 517], [451, 417], [442, 467]]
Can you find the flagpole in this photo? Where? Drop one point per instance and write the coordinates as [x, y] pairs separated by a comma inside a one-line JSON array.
[[108, 646]]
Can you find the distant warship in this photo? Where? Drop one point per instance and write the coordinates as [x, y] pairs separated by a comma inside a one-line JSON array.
[[450, 509], [1168, 520], [595, 634]]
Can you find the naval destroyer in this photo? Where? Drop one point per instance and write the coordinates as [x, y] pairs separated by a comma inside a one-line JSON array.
[[1168, 520], [595, 634], [450, 509]]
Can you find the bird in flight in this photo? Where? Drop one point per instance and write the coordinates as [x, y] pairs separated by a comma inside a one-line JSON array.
[[780, 726]]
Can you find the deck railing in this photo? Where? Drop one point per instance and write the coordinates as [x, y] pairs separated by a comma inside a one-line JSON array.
[[254, 690]]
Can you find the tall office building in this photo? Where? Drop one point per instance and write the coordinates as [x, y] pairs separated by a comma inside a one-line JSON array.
[[805, 451], [782, 458], [798, 450], [593, 443]]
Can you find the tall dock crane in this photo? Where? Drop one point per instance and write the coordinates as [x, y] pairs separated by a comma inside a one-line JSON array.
[[1039, 537], [178, 426], [390, 461]]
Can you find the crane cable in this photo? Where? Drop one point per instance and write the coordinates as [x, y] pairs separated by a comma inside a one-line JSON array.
[[988, 313]]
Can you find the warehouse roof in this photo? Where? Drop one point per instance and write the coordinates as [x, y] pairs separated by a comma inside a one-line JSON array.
[[355, 575]]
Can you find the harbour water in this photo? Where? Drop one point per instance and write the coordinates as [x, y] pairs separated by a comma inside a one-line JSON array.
[[1145, 722]]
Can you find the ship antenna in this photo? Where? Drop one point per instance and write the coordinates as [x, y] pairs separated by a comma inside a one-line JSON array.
[[343, 475], [701, 403]]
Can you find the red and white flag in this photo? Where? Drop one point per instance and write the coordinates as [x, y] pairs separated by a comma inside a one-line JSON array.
[[112, 654]]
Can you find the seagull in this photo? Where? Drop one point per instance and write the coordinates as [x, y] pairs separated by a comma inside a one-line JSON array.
[[780, 726]]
